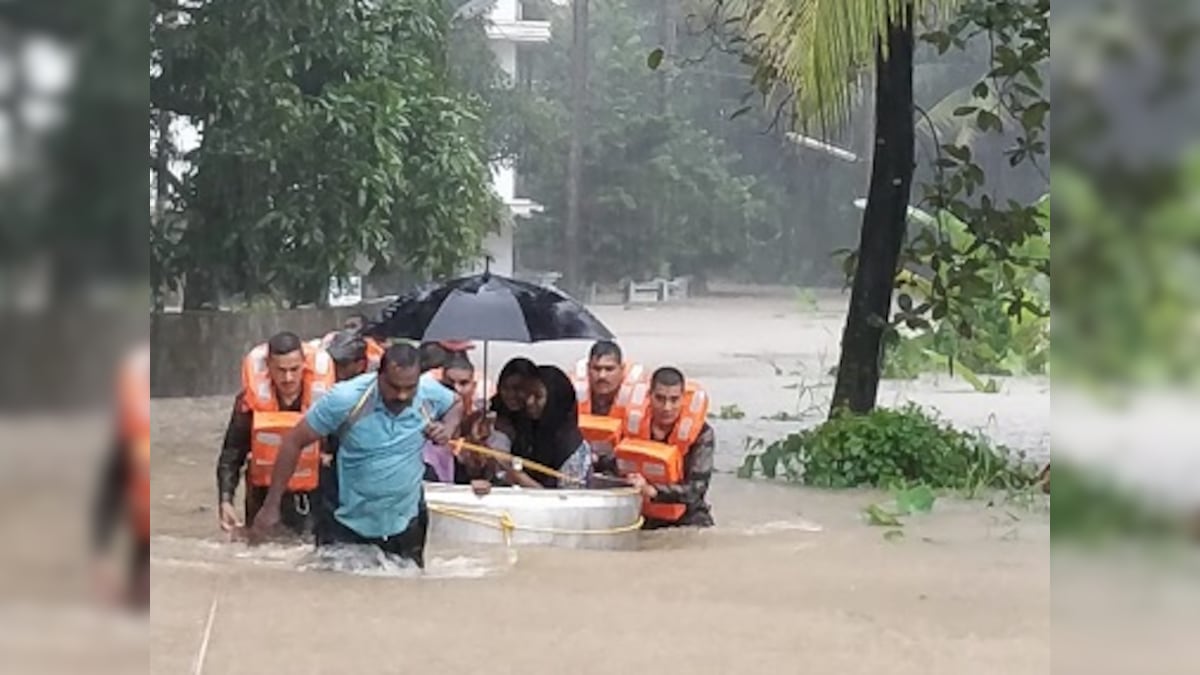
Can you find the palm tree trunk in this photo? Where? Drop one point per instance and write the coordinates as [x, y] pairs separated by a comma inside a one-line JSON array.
[[883, 223], [579, 124]]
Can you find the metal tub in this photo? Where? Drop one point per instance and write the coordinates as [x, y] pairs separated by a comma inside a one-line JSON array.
[[587, 519]]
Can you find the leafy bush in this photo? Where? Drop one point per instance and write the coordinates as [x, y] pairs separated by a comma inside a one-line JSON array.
[[887, 448], [1090, 507], [988, 334]]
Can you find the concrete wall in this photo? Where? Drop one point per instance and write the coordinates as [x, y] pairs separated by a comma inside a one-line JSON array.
[[200, 353]]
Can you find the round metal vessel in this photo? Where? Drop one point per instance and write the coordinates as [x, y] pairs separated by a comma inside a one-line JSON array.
[[587, 519]]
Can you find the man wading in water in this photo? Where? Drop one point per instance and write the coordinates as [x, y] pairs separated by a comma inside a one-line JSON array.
[[383, 420]]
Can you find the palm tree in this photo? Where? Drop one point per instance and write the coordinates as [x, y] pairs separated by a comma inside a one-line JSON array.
[[815, 49]]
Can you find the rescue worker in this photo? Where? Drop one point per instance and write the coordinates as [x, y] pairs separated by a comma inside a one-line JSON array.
[[383, 420], [599, 389], [667, 414], [280, 380], [605, 388], [125, 482]]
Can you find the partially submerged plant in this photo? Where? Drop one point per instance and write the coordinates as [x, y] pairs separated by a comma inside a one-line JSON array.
[[888, 448]]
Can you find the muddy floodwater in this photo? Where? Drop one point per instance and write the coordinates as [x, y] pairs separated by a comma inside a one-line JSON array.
[[790, 581]]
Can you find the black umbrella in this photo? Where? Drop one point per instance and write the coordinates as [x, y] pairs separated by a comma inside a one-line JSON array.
[[488, 307]]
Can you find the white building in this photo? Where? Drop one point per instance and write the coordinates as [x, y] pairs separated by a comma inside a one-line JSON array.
[[509, 33]]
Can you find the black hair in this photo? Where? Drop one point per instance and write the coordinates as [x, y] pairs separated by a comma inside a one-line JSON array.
[[357, 317], [347, 347], [400, 355], [432, 355], [605, 348], [667, 376], [519, 366], [284, 342], [458, 360], [556, 433]]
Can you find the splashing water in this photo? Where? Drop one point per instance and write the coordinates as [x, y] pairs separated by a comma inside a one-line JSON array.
[[358, 560], [372, 562]]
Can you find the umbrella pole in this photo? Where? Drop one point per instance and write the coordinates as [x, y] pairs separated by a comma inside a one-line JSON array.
[[485, 374]]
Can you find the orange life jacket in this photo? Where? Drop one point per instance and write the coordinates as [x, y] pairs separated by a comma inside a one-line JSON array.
[[662, 462], [270, 424], [133, 400], [635, 383], [266, 436], [601, 431]]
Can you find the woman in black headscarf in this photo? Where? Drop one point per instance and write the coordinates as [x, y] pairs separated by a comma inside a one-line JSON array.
[[556, 442]]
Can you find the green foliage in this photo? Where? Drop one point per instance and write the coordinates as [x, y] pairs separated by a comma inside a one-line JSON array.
[[974, 283], [663, 192], [976, 274], [1127, 262], [905, 502], [985, 335], [330, 129], [1090, 508], [812, 50], [888, 448]]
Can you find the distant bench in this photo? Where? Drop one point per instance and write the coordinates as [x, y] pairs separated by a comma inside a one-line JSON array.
[[656, 290]]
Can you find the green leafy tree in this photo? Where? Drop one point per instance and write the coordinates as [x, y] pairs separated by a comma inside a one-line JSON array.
[[812, 49], [662, 193], [331, 129]]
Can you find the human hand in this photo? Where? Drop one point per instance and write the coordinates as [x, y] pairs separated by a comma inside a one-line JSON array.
[[638, 482], [482, 426], [228, 517], [265, 521], [437, 432], [481, 487]]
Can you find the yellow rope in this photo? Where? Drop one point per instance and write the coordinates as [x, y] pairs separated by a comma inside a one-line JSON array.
[[505, 523], [458, 445]]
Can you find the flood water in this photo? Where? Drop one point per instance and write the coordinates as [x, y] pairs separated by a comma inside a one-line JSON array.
[[791, 579]]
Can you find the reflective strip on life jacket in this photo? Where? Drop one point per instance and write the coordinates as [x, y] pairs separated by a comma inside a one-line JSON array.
[[630, 394], [660, 463], [691, 421], [266, 437], [319, 377]]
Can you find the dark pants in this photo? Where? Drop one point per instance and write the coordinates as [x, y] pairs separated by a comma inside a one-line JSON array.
[[701, 517], [297, 510], [409, 544]]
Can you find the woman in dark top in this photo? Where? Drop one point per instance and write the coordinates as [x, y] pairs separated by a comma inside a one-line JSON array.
[[503, 422], [555, 440]]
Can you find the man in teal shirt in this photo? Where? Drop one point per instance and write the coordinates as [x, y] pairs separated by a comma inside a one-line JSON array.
[[383, 420]]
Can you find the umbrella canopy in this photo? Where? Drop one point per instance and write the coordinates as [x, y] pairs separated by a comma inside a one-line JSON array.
[[488, 307]]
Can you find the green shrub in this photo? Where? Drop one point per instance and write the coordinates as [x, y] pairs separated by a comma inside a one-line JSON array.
[[888, 448], [1091, 507]]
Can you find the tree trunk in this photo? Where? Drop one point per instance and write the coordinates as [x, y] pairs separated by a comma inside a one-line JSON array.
[[883, 224], [579, 124], [162, 167], [665, 25]]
